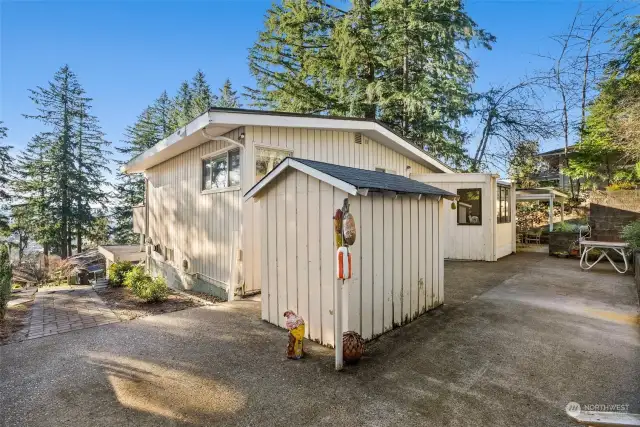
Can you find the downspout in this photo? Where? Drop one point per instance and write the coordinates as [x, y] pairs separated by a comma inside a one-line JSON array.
[[233, 279]]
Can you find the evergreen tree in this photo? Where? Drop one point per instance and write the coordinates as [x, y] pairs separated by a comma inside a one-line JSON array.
[[60, 175], [6, 163], [161, 111], [130, 188], [201, 97], [92, 163], [59, 107], [182, 106], [402, 61], [34, 192], [228, 97]]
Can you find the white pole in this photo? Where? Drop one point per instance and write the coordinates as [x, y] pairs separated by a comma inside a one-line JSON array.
[[551, 213], [337, 326]]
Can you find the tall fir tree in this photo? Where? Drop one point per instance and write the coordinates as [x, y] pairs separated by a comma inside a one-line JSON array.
[[402, 61], [92, 162], [31, 185], [61, 172], [201, 97], [58, 104], [228, 97], [6, 163], [129, 189], [182, 106]]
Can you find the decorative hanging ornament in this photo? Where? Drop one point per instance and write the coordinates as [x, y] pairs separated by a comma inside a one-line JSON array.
[[349, 229], [337, 225], [453, 206]]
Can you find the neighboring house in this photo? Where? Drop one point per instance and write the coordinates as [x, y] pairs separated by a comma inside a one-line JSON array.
[[201, 234], [550, 174], [482, 227]]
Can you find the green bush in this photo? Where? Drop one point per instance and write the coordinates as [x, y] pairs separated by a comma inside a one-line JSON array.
[[151, 290], [631, 234], [5, 280], [133, 276], [117, 272]]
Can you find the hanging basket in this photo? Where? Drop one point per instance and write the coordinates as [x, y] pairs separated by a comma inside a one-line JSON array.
[[352, 347]]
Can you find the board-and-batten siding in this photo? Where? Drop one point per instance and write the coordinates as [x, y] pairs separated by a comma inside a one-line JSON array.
[[398, 268], [467, 242], [201, 228], [336, 147]]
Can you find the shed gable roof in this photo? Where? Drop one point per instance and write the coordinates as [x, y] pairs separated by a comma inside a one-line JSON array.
[[351, 180]]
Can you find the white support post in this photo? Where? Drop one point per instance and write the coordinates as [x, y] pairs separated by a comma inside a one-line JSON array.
[[551, 213], [337, 324]]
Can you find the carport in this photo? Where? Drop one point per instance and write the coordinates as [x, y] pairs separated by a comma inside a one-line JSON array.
[[544, 194]]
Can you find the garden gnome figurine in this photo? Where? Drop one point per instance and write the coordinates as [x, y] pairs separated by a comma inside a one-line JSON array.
[[295, 325]]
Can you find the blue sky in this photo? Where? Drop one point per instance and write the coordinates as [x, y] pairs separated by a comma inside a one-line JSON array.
[[126, 53]]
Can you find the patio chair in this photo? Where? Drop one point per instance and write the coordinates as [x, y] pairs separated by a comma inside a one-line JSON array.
[[533, 236]]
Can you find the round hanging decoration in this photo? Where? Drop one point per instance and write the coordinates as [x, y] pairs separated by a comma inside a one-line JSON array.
[[349, 229], [453, 206]]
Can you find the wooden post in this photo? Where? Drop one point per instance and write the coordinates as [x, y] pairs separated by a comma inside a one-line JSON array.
[[562, 211]]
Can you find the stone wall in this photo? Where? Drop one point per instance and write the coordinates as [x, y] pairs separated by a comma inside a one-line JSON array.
[[610, 211]]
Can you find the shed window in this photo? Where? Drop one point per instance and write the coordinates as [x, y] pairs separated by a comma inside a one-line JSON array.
[[221, 171], [504, 204], [470, 206], [267, 159]]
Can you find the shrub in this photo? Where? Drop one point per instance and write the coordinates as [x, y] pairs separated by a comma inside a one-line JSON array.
[[5, 280], [133, 276], [151, 290], [117, 272], [631, 234]]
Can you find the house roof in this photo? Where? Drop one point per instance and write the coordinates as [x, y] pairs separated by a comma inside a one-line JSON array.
[[351, 180], [218, 121], [556, 151]]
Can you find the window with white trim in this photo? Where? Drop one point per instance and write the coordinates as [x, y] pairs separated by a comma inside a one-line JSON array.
[[503, 203], [267, 159], [221, 171]]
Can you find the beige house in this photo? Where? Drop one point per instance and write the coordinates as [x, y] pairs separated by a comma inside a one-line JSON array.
[[200, 232]]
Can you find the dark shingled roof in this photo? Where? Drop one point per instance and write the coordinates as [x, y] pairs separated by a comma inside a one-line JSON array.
[[361, 178]]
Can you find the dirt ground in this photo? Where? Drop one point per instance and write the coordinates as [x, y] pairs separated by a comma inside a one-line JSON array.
[[127, 306], [14, 323]]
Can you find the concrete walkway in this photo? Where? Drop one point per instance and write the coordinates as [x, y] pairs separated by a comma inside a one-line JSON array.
[[517, 340], [58, 311]]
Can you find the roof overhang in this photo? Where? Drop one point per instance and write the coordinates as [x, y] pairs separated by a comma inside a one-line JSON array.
[[218, 122], [540, 194]]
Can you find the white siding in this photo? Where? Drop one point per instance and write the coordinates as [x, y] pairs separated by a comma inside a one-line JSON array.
[[207, 230], [336, 147], [377, 296], [201, 228], [486, 242]]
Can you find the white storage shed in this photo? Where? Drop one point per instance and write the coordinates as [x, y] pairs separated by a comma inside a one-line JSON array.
[[398, 256], [482, 227]]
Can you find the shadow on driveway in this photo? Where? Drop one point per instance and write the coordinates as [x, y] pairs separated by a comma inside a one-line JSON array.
[[516, 341]]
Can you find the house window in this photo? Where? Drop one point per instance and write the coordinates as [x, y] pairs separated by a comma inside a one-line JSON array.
[[267, 159], [504, 204], [221, 171], [470, 206]]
